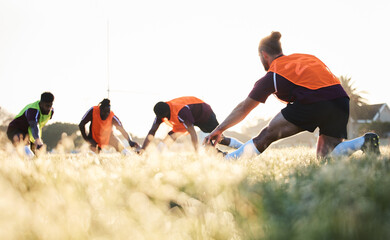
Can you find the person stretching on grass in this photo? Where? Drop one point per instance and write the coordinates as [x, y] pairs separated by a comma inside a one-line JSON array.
[[27, 126], [100, 130], [314, 97], [183, 114]]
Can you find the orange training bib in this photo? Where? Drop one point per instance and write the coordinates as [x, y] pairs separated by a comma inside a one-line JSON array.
[[304, 70]]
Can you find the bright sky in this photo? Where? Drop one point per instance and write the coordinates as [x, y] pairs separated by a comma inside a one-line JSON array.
[[160, 50]]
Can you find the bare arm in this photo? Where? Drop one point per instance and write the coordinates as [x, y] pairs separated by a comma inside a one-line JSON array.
[[117, 123], [194, 137], [87, 118], [126, 136], [82, 130], [151, 133], [236, 116]]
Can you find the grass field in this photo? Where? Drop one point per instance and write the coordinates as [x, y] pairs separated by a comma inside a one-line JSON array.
[[282, 194]]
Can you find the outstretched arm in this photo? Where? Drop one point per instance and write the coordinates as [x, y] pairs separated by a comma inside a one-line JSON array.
[[151, 133], [194, 137], [127, 136], [236, 116], [117, 123]]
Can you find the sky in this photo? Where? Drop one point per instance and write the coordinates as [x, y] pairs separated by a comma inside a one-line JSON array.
[[152, 50]]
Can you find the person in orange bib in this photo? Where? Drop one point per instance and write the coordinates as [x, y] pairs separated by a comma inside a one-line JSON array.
[[100, 131], [314, 98], [182, 115]]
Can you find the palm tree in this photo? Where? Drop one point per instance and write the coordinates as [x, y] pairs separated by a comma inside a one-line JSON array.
[[356, 99]]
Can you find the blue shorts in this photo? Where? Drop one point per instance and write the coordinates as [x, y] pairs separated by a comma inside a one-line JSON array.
[[330, 116]]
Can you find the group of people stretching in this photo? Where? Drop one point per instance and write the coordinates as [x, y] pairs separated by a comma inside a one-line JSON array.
[[314, 99]]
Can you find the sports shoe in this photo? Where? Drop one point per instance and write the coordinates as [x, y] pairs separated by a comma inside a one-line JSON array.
[[371, 143]]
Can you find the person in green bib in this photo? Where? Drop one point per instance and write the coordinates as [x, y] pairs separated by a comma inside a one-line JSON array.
[[26, 128]]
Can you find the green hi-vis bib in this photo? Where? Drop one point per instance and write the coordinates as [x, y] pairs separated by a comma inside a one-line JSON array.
[[43, 119]]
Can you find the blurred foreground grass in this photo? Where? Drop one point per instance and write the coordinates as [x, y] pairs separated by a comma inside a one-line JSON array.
[[282, 194]]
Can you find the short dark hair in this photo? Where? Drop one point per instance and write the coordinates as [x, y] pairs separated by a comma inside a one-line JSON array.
[[271, 44], [47, 97], [161, 109], [105, 103]]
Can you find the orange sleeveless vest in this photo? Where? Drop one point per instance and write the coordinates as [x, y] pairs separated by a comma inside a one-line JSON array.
[[175, 106], [101, 129], [304, 70]]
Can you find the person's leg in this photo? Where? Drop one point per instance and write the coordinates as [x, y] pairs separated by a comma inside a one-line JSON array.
[[211, 124], [369, 143], [230, 142], [277, 129], [17, 137], [333, 129], [116, 143], [169, 139], [326, 144], [20, 139]]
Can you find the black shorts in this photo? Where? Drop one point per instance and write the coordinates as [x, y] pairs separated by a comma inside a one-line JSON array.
[[11, 132], [331, 116], [210, 125]]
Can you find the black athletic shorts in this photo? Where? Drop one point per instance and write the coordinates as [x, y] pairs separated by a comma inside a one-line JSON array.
[[210, 125], [330, 116], [11, 132]]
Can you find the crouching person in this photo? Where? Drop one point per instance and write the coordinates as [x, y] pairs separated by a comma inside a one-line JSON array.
[[101, 134], [26, 128]]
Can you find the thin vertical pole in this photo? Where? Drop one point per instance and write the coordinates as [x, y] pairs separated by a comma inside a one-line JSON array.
[[108, 58]]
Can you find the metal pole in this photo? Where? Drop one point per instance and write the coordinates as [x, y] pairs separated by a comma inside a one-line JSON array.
[[108, 59]]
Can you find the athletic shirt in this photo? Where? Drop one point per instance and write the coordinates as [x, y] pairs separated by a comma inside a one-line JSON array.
[[30, 113], [192, 114], [186, 111], [88, 118], [101, 138], [298, 78]]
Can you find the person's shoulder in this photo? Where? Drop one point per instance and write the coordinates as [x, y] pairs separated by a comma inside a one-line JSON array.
[[32, 110], [267, 77], [115, 117], [116, 120], [157, 120], [185, 109], [90, 110]]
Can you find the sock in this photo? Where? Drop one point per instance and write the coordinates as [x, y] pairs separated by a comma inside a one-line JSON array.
[[248, 150], [161, 146], [348, 147], [125, 152], [28, 152], [234, 143]]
